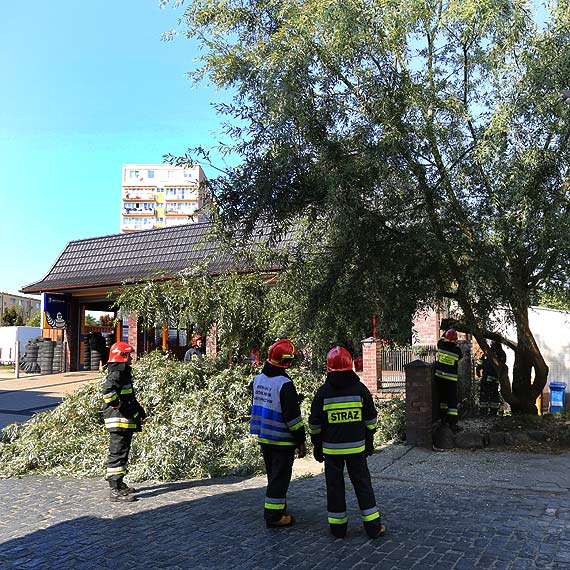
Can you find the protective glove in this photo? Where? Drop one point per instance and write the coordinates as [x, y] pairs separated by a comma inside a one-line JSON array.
[[302, 450], [318, 454]]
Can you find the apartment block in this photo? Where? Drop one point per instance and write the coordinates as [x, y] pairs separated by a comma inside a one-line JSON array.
[[27, 307], [160, 196]]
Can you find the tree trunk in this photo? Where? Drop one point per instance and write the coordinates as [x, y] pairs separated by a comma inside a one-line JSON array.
[[527, 357]]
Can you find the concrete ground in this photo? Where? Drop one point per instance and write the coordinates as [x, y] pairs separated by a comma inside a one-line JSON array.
[[21, 398]]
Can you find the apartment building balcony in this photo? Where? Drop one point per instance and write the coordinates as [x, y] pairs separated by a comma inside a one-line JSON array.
[[187, 198], [138, 212], [139, 194]]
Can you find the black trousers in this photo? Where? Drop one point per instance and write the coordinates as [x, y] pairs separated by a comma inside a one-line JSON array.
[[359, 475], [279, 467], [119, 448], [448, 400], [489, 399]]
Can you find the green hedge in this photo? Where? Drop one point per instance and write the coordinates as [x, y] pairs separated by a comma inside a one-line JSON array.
[[197, 425]]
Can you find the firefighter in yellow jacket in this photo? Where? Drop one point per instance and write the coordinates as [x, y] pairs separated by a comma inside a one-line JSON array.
[[123, 416], [342, 425]]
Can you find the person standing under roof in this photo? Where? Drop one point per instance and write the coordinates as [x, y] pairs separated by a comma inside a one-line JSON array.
[[196, 352]]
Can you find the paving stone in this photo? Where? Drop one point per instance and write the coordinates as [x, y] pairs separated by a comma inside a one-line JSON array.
[[437, 519]]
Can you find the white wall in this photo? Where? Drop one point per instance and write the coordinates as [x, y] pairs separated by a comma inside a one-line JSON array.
[[551, 329], [8, 338]]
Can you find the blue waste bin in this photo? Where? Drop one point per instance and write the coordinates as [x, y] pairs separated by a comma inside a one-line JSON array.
[[557, 390]]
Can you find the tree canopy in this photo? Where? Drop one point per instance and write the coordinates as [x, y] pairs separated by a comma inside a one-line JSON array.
[[421, 145], [12, 317]]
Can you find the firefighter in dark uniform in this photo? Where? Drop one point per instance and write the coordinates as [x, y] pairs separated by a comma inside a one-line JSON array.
[[123, 416], [276, 421], [196, 352], [448, 356], [342, 425], [489, 399]]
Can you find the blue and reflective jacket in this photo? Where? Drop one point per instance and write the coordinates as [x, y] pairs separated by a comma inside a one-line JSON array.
[[275, 412]]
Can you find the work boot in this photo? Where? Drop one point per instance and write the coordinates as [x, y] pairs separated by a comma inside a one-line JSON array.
[[456, 428], [338, 531], [121, 496], [285, 520], [380, 531], [124, 487]]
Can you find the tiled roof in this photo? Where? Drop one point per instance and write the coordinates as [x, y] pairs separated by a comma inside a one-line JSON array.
[[113, 259]]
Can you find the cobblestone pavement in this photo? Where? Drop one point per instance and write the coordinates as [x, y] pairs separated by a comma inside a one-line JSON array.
[[442, 512]]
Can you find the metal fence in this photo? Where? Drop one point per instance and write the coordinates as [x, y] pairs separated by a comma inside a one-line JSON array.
[[393, 377]]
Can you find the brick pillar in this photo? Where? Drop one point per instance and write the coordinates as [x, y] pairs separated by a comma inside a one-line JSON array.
[[371, 364], [419, 404], [133, 335], [425, 328], [212, 342]]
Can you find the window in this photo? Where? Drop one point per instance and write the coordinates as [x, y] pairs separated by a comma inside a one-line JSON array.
[[151, 173], [134, 173], [160, 189]]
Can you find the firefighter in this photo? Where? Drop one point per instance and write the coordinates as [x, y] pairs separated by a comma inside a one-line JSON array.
[[276, 421], [342, 425], [489, 399], [448, 356], [196, 352], [123, 416]]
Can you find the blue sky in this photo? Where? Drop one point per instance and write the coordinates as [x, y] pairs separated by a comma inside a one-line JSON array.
[[86, 87]]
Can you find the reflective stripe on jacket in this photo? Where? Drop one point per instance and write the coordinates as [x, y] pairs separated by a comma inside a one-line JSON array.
[[122, 412], [275, 412], [343, 416], [448, 356]]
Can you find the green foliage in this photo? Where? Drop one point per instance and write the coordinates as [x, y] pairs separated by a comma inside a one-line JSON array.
[[235, 303], [91, 321], [391, 420], [12, 318], [34, 321], [67, 441], [197, 426], [422, 148]]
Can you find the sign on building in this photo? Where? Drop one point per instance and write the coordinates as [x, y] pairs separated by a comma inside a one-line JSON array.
[[55, 311]]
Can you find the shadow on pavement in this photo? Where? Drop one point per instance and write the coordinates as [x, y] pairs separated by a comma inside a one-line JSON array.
[[72, 526]]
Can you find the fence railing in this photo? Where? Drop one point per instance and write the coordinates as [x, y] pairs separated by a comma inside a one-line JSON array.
[[393, 377]]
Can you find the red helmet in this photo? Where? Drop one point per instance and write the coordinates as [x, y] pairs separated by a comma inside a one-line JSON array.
[[339, 360], [281, 353], [119, 352], [196, 338], [450, 334]]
